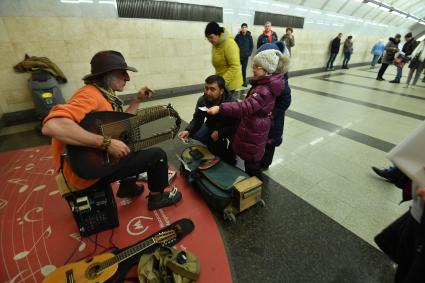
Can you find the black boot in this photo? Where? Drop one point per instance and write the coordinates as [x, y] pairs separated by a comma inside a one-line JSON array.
[[395, 81], [390, 173], [164, 199], [128, 188]]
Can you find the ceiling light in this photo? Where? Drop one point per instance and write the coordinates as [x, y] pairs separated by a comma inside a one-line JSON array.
[[280, 5], [260, 2], [244, 14], [301, 9], [384, 8], [372, 4], [315, 12]]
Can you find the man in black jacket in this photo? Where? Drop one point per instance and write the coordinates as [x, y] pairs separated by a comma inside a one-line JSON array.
[[214, 131], [407, 49], [245, 43], [335, 45]]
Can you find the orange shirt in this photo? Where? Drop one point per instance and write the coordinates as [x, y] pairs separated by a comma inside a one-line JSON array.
[[85, 100]]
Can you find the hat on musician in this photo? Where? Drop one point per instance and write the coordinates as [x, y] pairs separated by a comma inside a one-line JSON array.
[[106, 61]]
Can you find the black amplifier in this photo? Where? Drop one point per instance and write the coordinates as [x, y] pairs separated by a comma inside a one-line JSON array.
[[94, 209]]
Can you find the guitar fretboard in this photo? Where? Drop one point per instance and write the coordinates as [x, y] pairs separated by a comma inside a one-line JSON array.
[[126, 253]]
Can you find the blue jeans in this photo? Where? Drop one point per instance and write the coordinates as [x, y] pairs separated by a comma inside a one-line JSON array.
[[399, 73], [347, 57], [331, 60], [218, 147], [375, 60]]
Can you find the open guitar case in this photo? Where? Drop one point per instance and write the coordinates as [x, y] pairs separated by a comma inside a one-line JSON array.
[[185, 226]]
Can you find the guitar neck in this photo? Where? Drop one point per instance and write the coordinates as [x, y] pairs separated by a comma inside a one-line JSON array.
[[127, 253], [144, 143]]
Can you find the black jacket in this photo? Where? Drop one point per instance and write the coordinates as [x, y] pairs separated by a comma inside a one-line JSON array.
[[263, 39], [224, 125], [408, 47], [335, 45], [245, 44]]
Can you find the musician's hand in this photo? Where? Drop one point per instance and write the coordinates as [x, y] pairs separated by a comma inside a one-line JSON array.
[[214, 136], [213, 110], [143, 93], [183, 135], [118, 149]]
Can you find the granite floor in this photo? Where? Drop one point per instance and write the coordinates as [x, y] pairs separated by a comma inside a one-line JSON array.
[[324, 205]]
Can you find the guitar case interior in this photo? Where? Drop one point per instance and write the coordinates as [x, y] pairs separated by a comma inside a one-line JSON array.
[[212, 177], [184, 226]]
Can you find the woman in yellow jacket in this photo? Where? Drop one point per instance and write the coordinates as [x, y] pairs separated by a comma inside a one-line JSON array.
[[225, 55]]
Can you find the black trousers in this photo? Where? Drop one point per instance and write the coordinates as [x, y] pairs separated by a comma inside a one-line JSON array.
[[403, 241], [253, 168], [244, 64], [153, 161], [382, 70]]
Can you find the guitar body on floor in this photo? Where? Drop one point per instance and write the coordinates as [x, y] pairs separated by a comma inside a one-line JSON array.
[[84, 271]]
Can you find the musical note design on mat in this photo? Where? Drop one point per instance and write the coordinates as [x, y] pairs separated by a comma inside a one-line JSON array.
[[24, 254], [43, 158], [36, 189], [22, 182], [27, 218], [77, 237], [49, 172], [45, 270], [3, 203], [29, 166]]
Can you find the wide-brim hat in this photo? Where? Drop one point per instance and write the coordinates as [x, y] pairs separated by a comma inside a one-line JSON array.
[[106, 61]]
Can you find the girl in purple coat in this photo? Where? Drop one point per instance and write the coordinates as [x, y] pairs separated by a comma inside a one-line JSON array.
[[254, 112]]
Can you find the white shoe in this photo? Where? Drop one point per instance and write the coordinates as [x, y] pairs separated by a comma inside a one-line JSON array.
[[406, 86], [412, 87]]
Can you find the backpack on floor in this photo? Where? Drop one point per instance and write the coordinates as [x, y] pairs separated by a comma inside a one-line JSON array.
[[45, 92], [214, 178], [168, 265]]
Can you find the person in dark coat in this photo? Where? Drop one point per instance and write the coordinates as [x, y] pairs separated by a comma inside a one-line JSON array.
[[213, 131], [268, 36], [391, 48], [254, 112], [335, 45], [348, 50], [282, 103], [407, 49], [245, 43]]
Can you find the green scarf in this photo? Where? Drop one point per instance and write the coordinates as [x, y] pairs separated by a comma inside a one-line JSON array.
[[111, 97]]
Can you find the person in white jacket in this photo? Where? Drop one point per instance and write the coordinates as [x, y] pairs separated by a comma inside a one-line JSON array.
[[416, 64]]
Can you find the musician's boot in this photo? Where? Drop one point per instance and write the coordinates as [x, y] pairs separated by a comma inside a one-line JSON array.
[[156, 201], [128, 188]]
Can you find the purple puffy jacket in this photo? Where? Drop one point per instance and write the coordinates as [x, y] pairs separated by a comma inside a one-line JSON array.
[[254, 114]]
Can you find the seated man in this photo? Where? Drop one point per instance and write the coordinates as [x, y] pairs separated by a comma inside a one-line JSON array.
[[108, 74], [216, 129]]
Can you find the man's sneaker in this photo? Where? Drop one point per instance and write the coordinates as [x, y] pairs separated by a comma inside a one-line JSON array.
[[129, 189], [394, 82], [390, 173], [380, 79], [164, 199]]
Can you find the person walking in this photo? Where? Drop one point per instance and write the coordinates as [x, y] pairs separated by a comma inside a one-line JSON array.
[[335, 45], [348, 50], [245, 43], [377, 52]]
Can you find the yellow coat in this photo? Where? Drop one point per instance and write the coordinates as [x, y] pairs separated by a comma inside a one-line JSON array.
[[226, 60]]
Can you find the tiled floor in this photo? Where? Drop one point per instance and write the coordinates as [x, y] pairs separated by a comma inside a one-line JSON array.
[[331, 143]]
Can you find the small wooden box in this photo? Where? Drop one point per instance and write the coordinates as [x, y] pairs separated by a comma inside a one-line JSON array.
[[246, 193]]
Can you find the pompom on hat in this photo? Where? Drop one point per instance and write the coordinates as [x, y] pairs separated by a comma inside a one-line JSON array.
[[106, 61]]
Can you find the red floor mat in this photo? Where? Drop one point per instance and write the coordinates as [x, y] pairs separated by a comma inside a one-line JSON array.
[[38, 232]]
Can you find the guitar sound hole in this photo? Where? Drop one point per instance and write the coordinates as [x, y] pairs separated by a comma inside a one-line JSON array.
[[93, 271], [125, 136]]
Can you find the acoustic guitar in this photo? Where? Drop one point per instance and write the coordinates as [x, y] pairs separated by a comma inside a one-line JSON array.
[[92, 163], [104, 267]]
